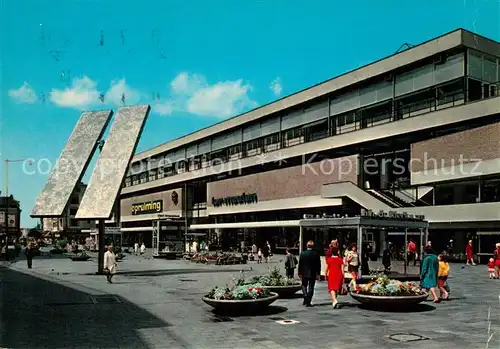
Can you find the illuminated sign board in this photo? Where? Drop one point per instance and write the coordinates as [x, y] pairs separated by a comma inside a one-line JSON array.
[[392, 215], [155, 206], [235, 200]]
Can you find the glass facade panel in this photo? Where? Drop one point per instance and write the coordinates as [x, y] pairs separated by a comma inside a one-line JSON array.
[[423, 77], [176, 155], [252, 132], [384, 91], [292, 119], [316, 112], [205, 147], [489, 69], [192, 151], [226, 140], [483, 67], [404, 84], [271, 126], [345, 103], [453, 68], [368, 95]]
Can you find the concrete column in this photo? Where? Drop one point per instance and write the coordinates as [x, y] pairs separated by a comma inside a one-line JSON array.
[[406, 249], [359, 243], [301, 239]]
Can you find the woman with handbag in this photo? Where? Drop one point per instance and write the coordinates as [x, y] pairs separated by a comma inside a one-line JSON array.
[[109, 264]]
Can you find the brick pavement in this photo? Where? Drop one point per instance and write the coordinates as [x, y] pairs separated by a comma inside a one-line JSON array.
[[161, 307]]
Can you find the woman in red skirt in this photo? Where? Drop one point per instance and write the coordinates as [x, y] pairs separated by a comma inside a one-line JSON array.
[[496, 257], [469, 253], [335, 274]]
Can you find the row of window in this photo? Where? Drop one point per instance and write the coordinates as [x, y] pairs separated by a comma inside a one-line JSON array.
[[436, 98]]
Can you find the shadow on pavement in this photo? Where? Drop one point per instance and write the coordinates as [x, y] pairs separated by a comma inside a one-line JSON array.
[[418, 308], [163, 272], [36, 313], [270, 310]]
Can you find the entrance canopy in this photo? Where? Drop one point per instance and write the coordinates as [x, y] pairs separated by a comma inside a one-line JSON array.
[[365, 222], [369, 220]]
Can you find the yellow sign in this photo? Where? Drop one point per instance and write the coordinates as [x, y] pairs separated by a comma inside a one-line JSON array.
[[147, 207]]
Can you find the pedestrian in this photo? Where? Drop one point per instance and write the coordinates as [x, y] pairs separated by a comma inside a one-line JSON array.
[[469, 253], [352, 261], [334, 272], [496, 257], [491, 268], [386, 259], [309, 272], [290, 264], [30, 252], [333, 244], [412, 253], [443, 272], [266, 251], [136, 248], [143, 248], [109, 264], [429, 272], [259, 256]]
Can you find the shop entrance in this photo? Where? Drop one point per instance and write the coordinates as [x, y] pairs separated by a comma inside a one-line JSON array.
[[168, 236]]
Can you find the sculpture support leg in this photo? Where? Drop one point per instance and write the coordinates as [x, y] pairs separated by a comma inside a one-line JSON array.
[[100, 260]]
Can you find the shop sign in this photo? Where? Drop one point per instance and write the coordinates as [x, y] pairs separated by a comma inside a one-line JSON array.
[[404, 216], [155, 206], [235, 200]]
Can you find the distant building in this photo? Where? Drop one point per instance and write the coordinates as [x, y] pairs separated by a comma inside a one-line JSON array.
[[67, 223], [10, 217]]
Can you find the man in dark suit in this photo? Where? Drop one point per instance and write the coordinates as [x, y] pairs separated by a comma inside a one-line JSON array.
[[309, 271]]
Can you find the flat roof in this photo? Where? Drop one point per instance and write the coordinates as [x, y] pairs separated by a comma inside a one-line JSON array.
[[445, 42]]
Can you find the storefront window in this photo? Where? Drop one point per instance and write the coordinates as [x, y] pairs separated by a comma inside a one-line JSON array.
[[490, 191]]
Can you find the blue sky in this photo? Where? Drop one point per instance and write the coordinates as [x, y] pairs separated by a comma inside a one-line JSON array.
[[195, 62]]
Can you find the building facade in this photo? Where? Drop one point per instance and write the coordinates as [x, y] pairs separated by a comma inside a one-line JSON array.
[[67, 223], [10, 218], [416, 132]]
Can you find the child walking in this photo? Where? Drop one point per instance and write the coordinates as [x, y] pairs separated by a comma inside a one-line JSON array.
[[444, 270], [259, 256], [491, 268]]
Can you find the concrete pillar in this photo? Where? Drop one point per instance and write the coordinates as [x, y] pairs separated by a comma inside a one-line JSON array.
[[301, 239], [359, 243]]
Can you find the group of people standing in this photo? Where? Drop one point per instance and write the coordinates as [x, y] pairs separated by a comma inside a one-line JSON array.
[[310, 270]]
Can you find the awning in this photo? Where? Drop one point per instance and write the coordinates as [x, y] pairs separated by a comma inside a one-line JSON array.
[[243, 225], [488, 233]]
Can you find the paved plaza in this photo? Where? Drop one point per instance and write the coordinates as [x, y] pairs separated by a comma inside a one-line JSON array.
[[157, 304]]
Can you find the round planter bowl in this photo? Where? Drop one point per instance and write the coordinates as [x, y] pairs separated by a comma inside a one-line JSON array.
[[80, 259], [284, 291], [389, 301], [246, 306]]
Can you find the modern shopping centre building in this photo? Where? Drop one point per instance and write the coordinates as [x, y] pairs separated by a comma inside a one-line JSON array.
[[416, 132]]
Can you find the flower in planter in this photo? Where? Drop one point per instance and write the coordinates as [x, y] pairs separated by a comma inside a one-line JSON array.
[[239, 292], [383, 286]]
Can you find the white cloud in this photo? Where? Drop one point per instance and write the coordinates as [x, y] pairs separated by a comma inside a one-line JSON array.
[[163, 108], [24, 94], [119, 90], [223, 99], [276, 87], [193, 94], [186, 84], [82, 94]]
